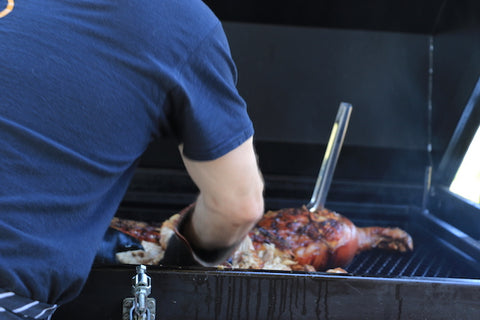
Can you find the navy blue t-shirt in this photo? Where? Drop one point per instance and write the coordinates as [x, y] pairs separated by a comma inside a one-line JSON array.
[[85, 85]]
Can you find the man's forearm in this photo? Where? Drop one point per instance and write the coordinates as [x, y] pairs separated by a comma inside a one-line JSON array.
[[230, 200]]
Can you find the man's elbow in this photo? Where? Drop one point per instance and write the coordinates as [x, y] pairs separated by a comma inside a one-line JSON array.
[[252, 210], [245, 209], [254, 207]]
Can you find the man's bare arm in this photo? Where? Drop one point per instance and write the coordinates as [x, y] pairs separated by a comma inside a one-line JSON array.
[[230, 200]]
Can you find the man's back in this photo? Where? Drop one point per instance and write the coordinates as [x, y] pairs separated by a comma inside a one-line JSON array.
[[84, 87]]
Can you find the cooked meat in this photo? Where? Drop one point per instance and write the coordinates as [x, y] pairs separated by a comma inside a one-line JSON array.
[[322, 239], [138, 229], [150, 255], [149, 234], [287, 239]]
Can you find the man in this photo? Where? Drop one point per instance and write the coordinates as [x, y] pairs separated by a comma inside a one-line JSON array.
[[84, 88]]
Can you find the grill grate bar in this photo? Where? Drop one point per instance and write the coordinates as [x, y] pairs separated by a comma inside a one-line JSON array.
[[408, 264], [385, 264], [394, 267], [418, 264], [371, 267], [439, 267], [432, 268], [362, 260], [449, 273]]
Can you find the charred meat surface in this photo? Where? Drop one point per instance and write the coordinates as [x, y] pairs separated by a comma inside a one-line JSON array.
[[287, 239], [140, 230], [323, 238]]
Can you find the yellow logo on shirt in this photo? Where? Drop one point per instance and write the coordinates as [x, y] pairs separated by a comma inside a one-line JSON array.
[[7, 9]]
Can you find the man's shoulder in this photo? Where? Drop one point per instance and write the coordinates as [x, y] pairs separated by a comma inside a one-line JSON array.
[[193, 13]]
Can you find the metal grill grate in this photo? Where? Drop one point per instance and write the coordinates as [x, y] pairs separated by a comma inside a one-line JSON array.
[[429, 259]]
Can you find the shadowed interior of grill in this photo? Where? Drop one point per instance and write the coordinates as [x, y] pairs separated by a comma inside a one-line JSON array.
[[155, 195]]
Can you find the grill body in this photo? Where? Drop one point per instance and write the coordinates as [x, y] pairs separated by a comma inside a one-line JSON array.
[[440, 279]]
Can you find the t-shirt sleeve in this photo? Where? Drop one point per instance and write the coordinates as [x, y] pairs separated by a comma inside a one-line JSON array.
[[210, 117]]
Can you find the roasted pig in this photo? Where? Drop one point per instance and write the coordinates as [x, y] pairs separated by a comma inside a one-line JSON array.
[[287, 239]]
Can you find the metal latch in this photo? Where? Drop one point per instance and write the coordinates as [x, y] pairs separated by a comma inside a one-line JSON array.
[[140, 307]]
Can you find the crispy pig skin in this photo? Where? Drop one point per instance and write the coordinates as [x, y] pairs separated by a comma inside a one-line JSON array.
[[323, 239]]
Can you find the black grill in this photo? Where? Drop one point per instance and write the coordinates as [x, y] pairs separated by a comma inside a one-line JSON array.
[[445, 263], [438, 252]]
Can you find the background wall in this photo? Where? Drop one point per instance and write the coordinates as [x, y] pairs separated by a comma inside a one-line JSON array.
[[294, 78], [298, 60]]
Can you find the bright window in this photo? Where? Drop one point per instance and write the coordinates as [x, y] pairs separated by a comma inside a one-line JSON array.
[[467, 180]]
